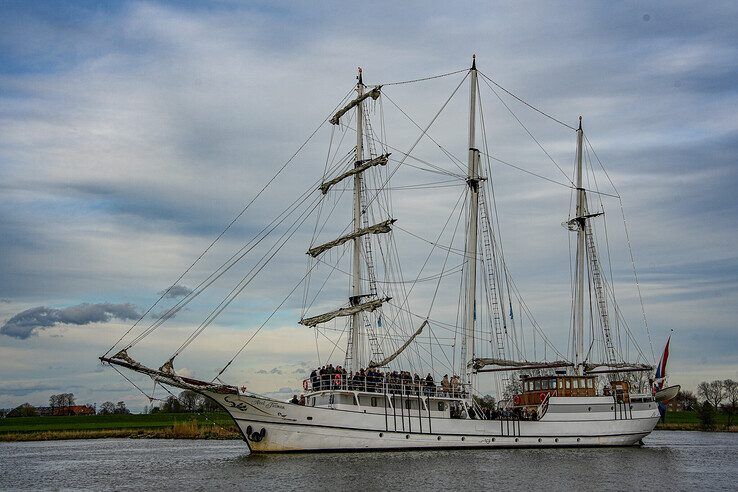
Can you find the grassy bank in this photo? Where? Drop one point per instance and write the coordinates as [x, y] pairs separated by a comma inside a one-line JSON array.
[[161, 425], [197, 426], [689, 421]]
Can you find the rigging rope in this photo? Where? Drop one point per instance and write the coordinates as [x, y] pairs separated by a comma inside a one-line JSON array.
[[528, 104], [431, 77], [630, 249], [528, 132], [230, 224]]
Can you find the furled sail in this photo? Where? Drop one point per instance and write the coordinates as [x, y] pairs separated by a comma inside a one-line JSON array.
[[374, 94], [392, 357], [360, 167], [347, 311], [380, 228], [516, 364], [592, 368]]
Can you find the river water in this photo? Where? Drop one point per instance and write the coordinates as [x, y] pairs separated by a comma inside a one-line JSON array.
[[668, 461]]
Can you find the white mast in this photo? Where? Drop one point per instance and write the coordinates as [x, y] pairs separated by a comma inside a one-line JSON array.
[[355, 338], [471, 239], [581, 212]]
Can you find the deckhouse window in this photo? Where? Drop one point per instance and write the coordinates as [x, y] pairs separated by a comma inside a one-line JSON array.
[[374, 401], [536, 385], [441, 406], [568, 384], [408, 404], [545, 384]]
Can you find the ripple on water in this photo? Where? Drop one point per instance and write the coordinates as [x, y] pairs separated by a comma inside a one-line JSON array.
[[669, 460]]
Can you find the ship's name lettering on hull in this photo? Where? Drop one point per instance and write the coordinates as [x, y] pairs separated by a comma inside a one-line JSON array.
[[256, 404]]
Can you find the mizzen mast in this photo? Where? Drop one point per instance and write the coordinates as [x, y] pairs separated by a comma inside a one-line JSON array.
[[356, 353], [471, 239], [581, 212]]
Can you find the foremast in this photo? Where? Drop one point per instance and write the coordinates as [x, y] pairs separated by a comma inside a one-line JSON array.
[[469, 373], [356, 357]]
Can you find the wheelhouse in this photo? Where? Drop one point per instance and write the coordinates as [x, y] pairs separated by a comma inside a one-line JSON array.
[[536, 388]]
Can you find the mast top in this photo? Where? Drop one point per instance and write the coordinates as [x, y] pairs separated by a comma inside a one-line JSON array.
[[359, 78], [580, 122], [474, 61]]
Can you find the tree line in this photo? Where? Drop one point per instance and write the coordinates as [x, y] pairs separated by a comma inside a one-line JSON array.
[[720, 395], [187, 401]]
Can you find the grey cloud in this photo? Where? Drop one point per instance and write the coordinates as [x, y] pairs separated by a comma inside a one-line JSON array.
[[175, 291], [275, 370], [262, 371], [31, 321]]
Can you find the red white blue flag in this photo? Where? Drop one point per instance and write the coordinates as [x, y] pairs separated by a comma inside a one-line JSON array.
[[661, 369]]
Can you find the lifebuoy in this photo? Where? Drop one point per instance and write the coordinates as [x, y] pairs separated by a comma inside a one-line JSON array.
[[542, 396], [516, 399], [337, 380], [305, 384]]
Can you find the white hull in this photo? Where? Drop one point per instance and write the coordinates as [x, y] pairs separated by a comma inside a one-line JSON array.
[[287, 427]]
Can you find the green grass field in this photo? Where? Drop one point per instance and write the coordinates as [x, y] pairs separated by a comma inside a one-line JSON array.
[[109, 422], [692, 418]]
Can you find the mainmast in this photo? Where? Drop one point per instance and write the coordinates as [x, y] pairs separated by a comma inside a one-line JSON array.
[[355, 338], [471, 239], [581, 212]]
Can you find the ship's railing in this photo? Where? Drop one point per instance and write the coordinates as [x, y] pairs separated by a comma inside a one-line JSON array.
[[373, 384]]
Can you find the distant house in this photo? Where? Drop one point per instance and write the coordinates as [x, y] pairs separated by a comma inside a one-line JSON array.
[[24, 410], [73, 410]]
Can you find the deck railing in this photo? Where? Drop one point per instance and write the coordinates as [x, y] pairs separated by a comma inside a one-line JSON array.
[[373, 384]]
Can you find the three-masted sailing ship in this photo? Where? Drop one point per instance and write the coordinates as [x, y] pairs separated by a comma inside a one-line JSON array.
[[370, 399]]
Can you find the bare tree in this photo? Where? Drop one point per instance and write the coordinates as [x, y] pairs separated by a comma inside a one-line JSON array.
[[731, 399], [712, 392], [190, 400], [120, 408], [54, 401], [687, 400], [107, 408]]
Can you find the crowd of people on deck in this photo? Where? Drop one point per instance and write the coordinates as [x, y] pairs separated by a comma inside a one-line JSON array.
[[374, 380]]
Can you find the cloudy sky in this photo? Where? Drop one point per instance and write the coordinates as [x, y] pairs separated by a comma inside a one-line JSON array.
[[131, 133]]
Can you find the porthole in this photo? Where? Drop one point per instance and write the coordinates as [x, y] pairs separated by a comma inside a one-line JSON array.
[[439, 438], [589, 409], [493, 439], [310, 418], [556, 440], [463, 438], [612, 408], [381, 434], [516, 439], [407, 436], [578, 439], [540, 440]]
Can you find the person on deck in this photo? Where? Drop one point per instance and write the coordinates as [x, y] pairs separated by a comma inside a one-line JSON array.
[[445, 385], [430, 385], [455, 383], [294, 400], [314, 381]]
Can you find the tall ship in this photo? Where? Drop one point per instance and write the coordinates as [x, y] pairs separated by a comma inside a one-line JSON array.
[[428, 329]]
